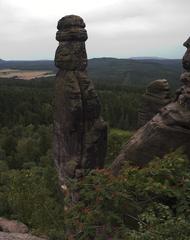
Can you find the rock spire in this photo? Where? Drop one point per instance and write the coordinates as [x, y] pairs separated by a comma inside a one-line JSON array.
[[80, 134], [157, 95]]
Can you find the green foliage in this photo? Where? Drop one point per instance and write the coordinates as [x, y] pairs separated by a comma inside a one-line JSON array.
[[133, 72], [148, 203], [3, 166], [29, 198], [26, 104], [24, 146], [29, 188], [116, 139], [120, 106], [31, 102]]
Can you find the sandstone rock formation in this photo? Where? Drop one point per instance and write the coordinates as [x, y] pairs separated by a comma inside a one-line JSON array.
[[166, 131], [157, 96], [14, 230], [80, 134], [186, 58], [12, 226], [18, 236]]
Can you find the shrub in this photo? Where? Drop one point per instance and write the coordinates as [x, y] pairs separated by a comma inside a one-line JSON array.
[[30, 200], [116, 139], [148, 203]]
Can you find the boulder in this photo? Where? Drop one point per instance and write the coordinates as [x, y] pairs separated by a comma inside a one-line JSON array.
[[12, 226], [156, 96], [186, 58], [18, 236]]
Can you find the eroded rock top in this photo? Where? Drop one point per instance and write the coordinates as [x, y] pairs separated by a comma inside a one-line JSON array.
[[70, 21], [71, 28], [159, 88], [71, 52], [187, 43], [186, 58], [185, 78], [157, 95]]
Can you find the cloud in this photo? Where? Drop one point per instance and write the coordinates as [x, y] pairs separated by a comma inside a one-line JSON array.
[[118, 28], [159, 29]]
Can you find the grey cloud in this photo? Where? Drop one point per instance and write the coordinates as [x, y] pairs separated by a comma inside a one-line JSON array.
[[122, 11], [125, 29], [168, 29]]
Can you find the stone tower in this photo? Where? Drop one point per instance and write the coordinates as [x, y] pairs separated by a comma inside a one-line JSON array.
[[80, 134], [157, 95]]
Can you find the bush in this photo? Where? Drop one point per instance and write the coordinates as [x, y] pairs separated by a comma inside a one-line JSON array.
[[29, 199], [116, 139], [148, 203]]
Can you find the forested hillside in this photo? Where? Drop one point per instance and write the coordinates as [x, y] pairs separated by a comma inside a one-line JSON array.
[[31, 102], [140, 204], [128, 72], [112, 71], [29, 188]]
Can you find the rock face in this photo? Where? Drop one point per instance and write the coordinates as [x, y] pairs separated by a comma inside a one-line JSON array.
[[157, 95], [80, 134], [12, 226], [14, 230], [166, 131], [18, 236], [186, 58]]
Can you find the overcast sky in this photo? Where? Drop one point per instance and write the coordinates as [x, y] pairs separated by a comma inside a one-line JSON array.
[[116, 28]]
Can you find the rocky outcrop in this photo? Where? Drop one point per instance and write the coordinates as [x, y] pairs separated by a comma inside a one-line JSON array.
[[15, 230], [166, 131], [186, 58], [80, 134], [12, 226], [18, 236], [157, 96]]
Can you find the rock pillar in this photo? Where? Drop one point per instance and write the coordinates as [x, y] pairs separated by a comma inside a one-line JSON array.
[[157, 95], [80, 134]]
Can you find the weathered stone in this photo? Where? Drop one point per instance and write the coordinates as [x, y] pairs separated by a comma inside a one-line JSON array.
[[185, 78], [71, 53], [70, 21], [18, 236], [187, 43], [72, 34], [71, 56], [12, 226], [166, 131], [186, 58], [80, 134], [157, 95]]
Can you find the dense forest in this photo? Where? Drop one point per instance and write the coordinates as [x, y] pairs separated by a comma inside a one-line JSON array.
[[148, 203], [113, 71], [31, 102], [26, 111]]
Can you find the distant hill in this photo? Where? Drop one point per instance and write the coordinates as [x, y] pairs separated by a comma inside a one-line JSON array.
[[147, 58], [28, 65], [134, 72], [113, 71]]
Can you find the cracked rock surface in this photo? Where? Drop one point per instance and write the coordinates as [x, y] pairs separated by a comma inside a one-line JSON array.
[[18, 236], [80, 134], [157, 95]]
